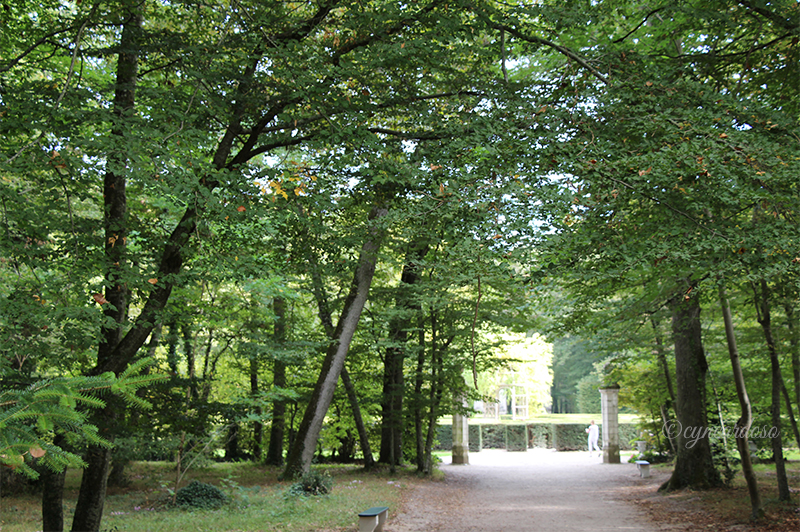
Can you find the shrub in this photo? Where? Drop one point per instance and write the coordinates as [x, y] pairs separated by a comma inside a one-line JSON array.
[[494, 436], [200, 495], [312, 483], [516, 438]]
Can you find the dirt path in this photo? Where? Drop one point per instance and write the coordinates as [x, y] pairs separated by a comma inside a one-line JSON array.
[[539, 490]]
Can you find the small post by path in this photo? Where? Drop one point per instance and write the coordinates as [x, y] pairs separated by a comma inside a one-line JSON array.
[[609, 401], [460, 438]]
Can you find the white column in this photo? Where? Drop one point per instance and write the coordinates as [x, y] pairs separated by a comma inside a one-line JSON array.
[[460, 448], [609, 400]]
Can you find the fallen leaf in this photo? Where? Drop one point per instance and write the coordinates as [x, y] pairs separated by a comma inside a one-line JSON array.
[[37, 452]]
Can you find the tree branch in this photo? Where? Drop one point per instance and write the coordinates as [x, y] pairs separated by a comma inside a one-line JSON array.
[[550, 44]]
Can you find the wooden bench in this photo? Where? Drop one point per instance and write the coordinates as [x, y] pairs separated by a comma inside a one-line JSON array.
[[372, 519], [644, 468]]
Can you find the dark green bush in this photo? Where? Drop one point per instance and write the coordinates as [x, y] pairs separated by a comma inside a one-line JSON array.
[[569, 437], [200, 495], [494, 436], [516, 438], [444, 438], [475, 439], [312, 483]]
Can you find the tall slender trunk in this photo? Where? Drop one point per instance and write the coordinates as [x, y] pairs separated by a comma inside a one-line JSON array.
[[91, 499], [369, 461], [301, 453], [742, 428], [254, 389], [694, 467], [764, 318], [278, 426], [792, 419], [391, 450], [417, 402], [172, 348], [661, 355], [53, 494], [794, 342], [188, 351], [435, 393]]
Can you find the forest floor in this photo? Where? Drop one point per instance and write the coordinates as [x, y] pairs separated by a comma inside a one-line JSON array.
[[542, 490]]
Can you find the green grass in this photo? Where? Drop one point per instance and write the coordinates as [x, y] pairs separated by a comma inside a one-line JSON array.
[[259, 501]]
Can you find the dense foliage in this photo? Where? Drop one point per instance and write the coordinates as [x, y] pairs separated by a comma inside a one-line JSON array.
[[270, 197]]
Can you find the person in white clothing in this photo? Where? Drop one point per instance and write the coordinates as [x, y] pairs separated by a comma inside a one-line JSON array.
[[594, 433]]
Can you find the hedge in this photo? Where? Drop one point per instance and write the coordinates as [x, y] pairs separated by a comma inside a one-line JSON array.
[[561, 436], [475, 438]]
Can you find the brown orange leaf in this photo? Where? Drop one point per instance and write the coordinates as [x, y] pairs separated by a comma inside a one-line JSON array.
[[241, 208], [37, 452], [152, 281], [99, 299]]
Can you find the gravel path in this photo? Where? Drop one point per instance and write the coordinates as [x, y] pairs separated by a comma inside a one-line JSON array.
[[539, 490]]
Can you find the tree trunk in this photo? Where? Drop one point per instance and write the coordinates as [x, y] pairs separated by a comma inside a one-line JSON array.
[[257, 427], [89, 509], [662, 361], [369, 461], [91, 498], [278, 427], [232, 443], [744, 422], [191, 372], [794, 342], [172, 348], [765, 320], [792, 419], [391, 451], [417, 403], [53, 495], [302, 451], [434, 396], [694, 467]]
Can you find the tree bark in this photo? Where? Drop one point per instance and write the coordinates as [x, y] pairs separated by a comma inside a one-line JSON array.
[[188, 351], [417, 402], [53, 495], [742, 428], [278, 427], [302, 451], [91, 497], [89, 509], [257, 426], [765, 320], [694, 467], [391, 451], [363, 438], [794, 342], [662, 361], [792, 419]]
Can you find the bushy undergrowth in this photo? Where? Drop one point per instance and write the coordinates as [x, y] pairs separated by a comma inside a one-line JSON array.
[[200, 495], [312, 483]]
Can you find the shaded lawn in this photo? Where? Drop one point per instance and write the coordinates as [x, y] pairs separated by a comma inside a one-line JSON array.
[[259, 502]]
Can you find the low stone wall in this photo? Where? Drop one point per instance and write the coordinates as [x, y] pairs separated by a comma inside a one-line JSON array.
[[559, 436]]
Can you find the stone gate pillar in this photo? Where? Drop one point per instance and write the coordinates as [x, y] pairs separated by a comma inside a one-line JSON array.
[[460, 439], [609, 401]]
